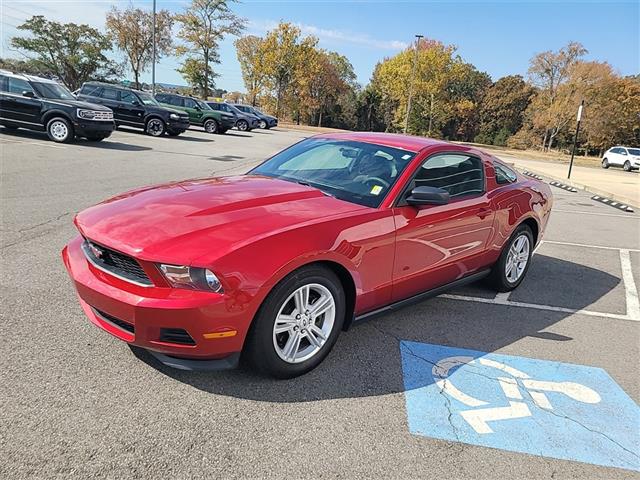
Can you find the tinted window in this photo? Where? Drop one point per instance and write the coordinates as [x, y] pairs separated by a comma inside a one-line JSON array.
[[190, 103], [3, 83], [634, 151], [173, 100], [357, 172], [91, 90], [458, 174], [504, 174], [161, 97], [214, 106], [109, 94], [18, 85], [128, 97]]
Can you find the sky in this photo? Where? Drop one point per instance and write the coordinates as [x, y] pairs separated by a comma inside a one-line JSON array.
[[498, 37]]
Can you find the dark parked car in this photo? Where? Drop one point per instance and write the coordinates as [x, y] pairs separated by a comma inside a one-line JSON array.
[[266, 121], [40, 104], [135, 108], [243, 121], [200, 113]]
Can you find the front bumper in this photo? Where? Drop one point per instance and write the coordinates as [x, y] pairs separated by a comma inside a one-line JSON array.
[[273, 123], [180, 125], [93, 127], [138, 315]]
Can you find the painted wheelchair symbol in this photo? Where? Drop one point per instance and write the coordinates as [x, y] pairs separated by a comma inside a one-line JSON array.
[[478, 418]]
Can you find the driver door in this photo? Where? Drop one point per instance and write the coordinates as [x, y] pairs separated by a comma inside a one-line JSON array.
[[438, 244]]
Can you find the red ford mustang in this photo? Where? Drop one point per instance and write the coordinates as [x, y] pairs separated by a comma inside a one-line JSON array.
[[275, 263]]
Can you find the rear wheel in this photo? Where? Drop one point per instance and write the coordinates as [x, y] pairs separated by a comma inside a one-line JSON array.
[[242, 125], [605, 163], [514, 261], [211, 126], [155, 127], [60, 130], [627, 166], [298, 323]]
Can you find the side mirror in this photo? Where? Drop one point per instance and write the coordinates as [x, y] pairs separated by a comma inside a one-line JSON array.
[[135, 103], [428, 196], [28, 94], [198, 108]]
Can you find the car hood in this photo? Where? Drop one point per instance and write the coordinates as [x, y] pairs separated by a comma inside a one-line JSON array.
[[196, 221], [79, 104]]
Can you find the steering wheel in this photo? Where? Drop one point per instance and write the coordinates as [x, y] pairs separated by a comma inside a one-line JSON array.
[[378, 180]]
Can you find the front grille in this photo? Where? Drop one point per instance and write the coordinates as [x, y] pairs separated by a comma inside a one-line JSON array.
[[116, 321], [100, 115], [116, 263], [176, 335]]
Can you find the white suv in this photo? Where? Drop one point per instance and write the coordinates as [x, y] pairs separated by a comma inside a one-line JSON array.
[[625, 157]]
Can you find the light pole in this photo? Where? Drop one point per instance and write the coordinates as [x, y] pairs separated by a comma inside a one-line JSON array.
[[413, 75], [575, 137], [153, 51]]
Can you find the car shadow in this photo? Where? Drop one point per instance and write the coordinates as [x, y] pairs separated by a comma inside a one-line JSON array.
[[227, 158], [366, 360], [108, 144], [233, 134]]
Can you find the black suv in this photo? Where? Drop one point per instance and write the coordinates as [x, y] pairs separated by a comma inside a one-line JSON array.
[[135, 108], [40, 104]]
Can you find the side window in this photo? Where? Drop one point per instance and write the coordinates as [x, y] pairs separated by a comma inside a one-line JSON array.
[[162, 98], [190, 103], [18, 85], [215, 106], [175, 101], [128, 97], [109, 94], [3, 83], [458, 174], [504, 174], [91, 90]]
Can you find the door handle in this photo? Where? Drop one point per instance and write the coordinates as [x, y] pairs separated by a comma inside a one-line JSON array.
[[484, 212]]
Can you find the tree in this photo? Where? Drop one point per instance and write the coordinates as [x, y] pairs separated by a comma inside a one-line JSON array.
[[193, 71], [503, 108], [549, 71], [73, 53], [249, 53], [132, 33], [202, 26]]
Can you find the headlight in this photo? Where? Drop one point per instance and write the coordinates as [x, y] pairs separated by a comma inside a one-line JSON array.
[[174, 116], [195, 278], [94, 114]]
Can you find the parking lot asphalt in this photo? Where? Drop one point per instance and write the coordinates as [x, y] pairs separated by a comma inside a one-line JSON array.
[[78, 403]]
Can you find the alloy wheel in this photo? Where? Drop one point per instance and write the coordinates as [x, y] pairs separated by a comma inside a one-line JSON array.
[[517, 258], [304, 323], [263, 124], [155, 127], [242, 125], [210, 126], [59, 130]]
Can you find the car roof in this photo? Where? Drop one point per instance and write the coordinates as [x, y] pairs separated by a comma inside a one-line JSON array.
[[115, 85], [395, 140], [31, 78]]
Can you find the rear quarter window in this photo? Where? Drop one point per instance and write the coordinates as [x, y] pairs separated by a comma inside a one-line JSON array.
[[504, 174]]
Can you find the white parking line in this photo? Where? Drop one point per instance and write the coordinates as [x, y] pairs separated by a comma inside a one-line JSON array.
[[40, 144], [631, 292], [597, 213], [535, 306], [603, 247]]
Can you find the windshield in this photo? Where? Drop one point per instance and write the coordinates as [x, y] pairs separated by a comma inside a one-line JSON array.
[[53, 90], [634, 151], [146, 98], [203, 105], [357, 172]]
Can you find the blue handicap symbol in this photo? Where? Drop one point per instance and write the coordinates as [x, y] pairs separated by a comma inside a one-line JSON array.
[[540, 407]]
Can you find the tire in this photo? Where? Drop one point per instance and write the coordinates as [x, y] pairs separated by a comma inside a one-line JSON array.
[[605, 163], [95, 138], [222, 131], [211, 126], [503, 278], [263, 125], [155, 127], [275, 353], [627, 166], [60, 130], [173, 133], [242, 125]]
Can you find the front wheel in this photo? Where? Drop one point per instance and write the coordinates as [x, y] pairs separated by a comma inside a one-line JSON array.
[[627, 166], [60, 130], [298, 323], [242, 125], [263, 124], [514, 261], [605, 163], [211, 126], [155, 127], [174, 133]]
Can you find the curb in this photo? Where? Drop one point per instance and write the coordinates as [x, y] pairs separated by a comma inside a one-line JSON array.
[[563, 186], [590, 189], [612, 203]]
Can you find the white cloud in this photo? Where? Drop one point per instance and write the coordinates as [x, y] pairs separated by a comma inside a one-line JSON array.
[[332, 36]]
